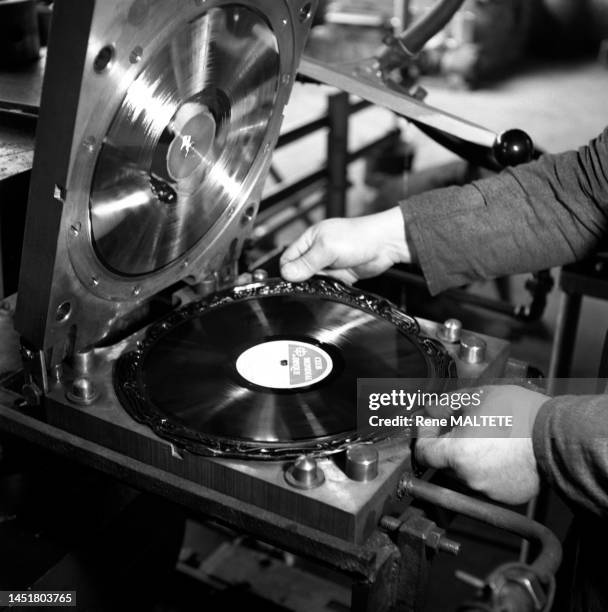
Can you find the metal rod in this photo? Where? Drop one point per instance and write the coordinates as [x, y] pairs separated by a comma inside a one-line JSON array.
[[302, 131], [459, 295], [364, 82], [311, 127], [548, 560], [283, 196], [401, 12], [416, 36], [279, 221], [565, 336], [287, 192], [337, 154]]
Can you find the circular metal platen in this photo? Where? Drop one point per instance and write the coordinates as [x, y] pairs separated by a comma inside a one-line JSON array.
[[184, 140], [269, 370]]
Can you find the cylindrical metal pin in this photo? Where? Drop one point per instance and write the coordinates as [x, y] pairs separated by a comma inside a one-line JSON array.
[[450, 331], [82, 391], [304, 473], [362, 462], [472, 349]]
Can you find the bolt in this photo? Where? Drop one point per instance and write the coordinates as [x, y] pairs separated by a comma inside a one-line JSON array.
[[390, 523], [469, 579], [83, 391], [449, 546], [260, 275], [450, 331], [57, 372], [432, 536], [136, 55], [305, 473]]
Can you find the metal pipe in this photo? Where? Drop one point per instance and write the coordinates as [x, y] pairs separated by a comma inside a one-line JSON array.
[[282, 219], [532, 312], [564, 339], [284, 195], [415, 37], [311, 127], [401, 14], [548, 560]]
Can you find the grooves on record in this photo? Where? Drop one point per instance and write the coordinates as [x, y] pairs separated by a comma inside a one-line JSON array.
[[270, 370]]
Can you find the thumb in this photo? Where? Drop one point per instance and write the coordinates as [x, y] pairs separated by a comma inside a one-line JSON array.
[[434, 452], [305, 258]]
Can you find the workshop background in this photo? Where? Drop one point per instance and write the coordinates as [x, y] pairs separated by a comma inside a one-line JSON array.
[[539, 65]]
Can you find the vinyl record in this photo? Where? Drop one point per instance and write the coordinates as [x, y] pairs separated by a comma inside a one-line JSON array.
[[184, 140], [271, 369]]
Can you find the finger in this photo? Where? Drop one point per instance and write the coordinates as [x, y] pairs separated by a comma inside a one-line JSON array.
[[299, 247], [310, 262], [428, 431], [346, 276], [434, 452]]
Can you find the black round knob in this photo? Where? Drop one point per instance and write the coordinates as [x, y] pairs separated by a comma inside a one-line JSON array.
[[513, 147]]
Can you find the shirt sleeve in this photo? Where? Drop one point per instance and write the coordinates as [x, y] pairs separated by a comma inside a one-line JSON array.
[[570, 439], [547, 213]]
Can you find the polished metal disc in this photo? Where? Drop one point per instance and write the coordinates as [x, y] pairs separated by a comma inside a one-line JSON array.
[[184, 140]]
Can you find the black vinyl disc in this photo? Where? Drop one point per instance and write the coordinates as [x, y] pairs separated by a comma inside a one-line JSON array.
[[271, 369]]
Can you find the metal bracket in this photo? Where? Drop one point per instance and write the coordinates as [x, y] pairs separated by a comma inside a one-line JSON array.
[[36, 378]]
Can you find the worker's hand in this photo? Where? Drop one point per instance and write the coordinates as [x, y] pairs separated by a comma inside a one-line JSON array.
[[348, 249], [496, 461]]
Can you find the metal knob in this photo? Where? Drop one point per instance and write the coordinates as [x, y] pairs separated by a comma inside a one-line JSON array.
[[304, 473], [83, 391], [260, 275], [362, 462], [450, 331], [472, 349]]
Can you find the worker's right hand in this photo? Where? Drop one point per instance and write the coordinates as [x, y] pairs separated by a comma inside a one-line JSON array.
[[494, 459], [348, 249]]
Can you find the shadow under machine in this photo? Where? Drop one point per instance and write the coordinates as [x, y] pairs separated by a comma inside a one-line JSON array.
[[141, 353]]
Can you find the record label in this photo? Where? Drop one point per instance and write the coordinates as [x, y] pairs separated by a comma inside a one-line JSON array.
[[284, 364]]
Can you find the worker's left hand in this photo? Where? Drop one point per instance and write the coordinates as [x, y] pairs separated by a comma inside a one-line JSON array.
[[496, 461]]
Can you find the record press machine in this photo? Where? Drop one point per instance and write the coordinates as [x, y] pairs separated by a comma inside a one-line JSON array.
[[137, 352]]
